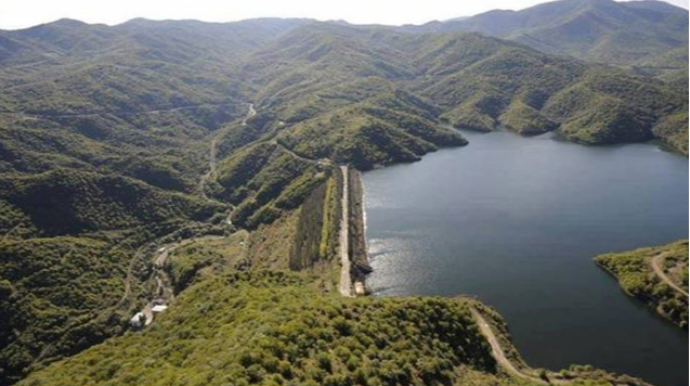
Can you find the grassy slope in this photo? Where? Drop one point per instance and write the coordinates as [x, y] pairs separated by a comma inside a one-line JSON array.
[[375, 132], [205, 256], [678, 78], [668, 129], [165, 149], [634, 273], [265, 181], [272, 328]]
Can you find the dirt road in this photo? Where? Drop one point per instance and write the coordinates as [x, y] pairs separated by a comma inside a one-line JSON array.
[[497, 350], [164, 292], [658, 267], [250, 114], [503, 361], [324, 162], [345, 266], [213, 154]]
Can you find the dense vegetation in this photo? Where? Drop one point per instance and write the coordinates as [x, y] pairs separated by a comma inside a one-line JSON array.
[[70, 202], [273, 328], [69, 248], [678, 79], [647, 36], [634, 273], [62, 294], [378, 131], [265, 180], [369, 96], [667, 128], [416, 81], [206, 256], [103, 133], [106, 132], [54, 294]]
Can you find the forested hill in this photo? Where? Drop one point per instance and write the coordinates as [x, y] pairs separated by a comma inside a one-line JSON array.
[[69, 40], [117, 140], [474, 81], [648, 36], [107, 82]]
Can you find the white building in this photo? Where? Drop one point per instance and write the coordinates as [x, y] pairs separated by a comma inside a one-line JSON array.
[[138, 320], [159, 308]]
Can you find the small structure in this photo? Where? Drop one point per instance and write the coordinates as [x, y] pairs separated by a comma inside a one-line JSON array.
[[138, 320], [359, 289], [159, 308]]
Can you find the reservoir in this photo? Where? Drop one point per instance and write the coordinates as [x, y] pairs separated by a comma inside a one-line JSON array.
[[516, 222]]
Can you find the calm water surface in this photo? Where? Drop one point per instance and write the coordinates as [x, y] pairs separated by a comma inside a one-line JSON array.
[[517, 221]]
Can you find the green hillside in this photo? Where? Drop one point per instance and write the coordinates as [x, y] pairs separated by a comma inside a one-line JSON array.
[[71, 268], [56, 295], [68, 202], [646, 36], [274, 328], [265, 180], [677, 79], [104, 133], [467, 80], [118, 141]]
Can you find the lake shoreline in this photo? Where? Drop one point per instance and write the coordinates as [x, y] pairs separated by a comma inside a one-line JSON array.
[[398, 273]]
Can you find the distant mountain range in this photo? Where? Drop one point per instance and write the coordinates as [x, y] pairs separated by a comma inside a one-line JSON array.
[[648, 36]]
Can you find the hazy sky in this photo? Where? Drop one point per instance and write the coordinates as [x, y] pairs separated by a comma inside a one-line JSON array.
[[25, 13]]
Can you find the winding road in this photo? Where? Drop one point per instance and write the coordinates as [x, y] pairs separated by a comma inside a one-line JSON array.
[[497, 350], [658, 267], [503, 361], [321, 162], [250, 114], [164, 292], [213, 153], [528, 373]]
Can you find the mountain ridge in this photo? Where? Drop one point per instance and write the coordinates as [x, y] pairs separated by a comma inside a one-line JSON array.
[[620, 33]]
